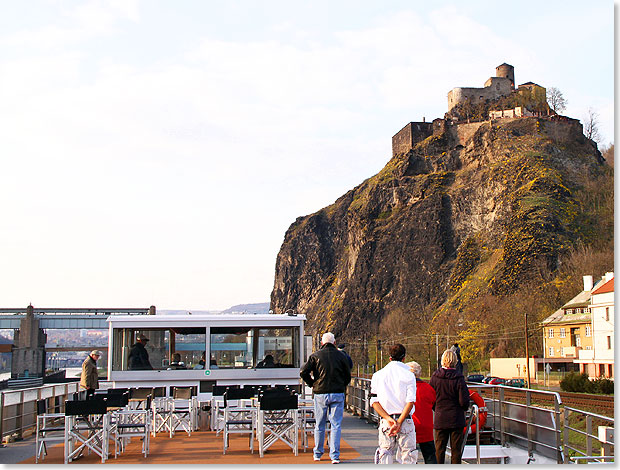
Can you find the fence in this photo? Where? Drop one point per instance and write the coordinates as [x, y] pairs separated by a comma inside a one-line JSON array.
[[18, 408], [529, 419]]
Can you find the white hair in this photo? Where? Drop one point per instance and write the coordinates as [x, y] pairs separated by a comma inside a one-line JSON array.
[[415, 368], [328, 338]]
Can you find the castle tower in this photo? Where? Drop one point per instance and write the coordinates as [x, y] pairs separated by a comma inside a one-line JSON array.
[[506, 71]]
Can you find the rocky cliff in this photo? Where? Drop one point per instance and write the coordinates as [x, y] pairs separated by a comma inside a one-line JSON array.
[[494, 198]]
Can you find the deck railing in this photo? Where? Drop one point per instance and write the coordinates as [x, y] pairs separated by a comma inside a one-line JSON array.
[[18, 408], [530, 419]]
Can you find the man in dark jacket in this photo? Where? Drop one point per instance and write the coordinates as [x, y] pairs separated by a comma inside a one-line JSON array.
[[89, 379], [328, 373], [139, 356], [450, 405]]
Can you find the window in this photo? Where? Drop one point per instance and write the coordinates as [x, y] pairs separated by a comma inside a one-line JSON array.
[[588, 348], [247, 348], [610, 371], [578, 341], [166, 348], [601, 370], [551, 351], [588, 330], [562, 332], [609, 342], [550, 332], [606, 313], [562, 352]]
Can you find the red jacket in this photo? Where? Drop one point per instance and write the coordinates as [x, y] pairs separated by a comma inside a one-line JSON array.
[[423, 413]]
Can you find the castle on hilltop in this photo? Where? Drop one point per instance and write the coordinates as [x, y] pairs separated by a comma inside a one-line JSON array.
[[466, 105]]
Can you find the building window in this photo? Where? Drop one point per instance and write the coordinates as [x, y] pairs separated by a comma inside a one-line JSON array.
[[578, 341], [609, 342], [551, 351], [562, 332], [588, 348], [562, 352], [606, 313], [588, 330], [610, 369], [550, 332], [601, 370]]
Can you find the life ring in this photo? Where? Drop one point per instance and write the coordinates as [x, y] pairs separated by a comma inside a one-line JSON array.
[[482, 412]]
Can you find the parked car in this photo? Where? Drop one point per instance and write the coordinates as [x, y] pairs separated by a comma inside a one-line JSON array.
[[497, 381], [520, 383], [487, 379], [475, 378]]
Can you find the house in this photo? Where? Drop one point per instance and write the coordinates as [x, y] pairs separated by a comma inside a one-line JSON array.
[[598, 361], [568, 331]]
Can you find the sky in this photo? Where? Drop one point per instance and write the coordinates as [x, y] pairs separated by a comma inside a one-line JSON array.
[[155, 152]]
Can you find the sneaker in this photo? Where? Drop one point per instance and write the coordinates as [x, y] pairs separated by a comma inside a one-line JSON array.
[[336, 461], [316, 459]]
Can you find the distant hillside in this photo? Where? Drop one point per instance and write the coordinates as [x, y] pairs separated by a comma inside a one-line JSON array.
[[249, 308]]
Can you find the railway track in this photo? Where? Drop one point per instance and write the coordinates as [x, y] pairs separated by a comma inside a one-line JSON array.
[[602, 403]]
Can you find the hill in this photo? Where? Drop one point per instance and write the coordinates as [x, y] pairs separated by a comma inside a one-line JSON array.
[[470, 216]]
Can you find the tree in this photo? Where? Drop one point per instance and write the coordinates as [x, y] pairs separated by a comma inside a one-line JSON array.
[[556, 100], [590, 126]]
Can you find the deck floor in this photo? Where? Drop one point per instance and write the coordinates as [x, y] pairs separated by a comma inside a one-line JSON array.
[[359, 441]]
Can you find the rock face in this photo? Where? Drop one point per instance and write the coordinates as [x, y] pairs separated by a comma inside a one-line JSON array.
[[407, 238]]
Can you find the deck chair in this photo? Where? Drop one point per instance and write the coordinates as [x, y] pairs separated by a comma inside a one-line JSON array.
[[86, 428], [160, 407], [217, 407], [277, 421], [50, 428], [182, 410], [132, 422], [238, 418]]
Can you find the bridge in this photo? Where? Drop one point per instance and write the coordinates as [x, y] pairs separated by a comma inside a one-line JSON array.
[[67, 318]]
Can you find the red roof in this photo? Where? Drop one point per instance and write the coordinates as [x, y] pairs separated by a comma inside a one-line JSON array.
[[605, 288]]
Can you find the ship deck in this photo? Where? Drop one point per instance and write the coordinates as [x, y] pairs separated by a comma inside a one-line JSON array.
[[358, 443]]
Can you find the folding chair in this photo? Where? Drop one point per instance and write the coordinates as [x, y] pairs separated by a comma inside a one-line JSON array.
[[217, 407], [277, 421], [182, 410], [238, 417], [49, 429], [87, 425], [132, 422], [161, 411]]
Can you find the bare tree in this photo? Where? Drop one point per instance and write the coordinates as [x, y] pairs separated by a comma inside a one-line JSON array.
[[590, 126], [556, 100]]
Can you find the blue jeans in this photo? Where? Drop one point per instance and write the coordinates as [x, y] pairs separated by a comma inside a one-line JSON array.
[[328, 405]]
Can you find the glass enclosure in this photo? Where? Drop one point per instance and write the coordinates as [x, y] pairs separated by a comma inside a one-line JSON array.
[[183, 348]]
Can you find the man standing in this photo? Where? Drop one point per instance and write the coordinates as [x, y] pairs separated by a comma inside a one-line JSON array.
[[393, 394], [349, 360], [139, 356], [89, 379], [328, 373]]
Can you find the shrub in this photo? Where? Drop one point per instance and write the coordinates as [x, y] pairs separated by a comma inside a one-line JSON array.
[[603, 385], [575, 382]]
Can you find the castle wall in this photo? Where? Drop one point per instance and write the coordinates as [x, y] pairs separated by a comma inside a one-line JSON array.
[[495, 87], [408, 136], [463, 132]]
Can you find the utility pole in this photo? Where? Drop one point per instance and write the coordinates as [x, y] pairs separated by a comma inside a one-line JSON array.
[[437, 351], [527, 352]]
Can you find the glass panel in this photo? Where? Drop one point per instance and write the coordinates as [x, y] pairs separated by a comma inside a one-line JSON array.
[[231, 348], [165, 349], [278, 347]]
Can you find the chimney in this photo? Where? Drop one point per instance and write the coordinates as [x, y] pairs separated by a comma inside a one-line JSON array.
[[587, 283]]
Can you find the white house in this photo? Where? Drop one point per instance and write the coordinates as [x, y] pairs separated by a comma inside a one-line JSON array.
[[598, 362]]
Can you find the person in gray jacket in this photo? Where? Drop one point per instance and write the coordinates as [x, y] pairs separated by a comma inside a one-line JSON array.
[[328, 373]]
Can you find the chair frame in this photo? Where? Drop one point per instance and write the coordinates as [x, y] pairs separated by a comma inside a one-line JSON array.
[[47, 423]]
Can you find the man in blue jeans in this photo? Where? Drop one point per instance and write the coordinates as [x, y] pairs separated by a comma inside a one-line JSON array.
[[328, 373]]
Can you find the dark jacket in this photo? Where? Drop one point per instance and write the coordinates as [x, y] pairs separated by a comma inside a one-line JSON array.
[[452, 399], [139, 358], [327, 370]]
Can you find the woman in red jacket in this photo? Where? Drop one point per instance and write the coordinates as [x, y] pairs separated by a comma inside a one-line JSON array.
[[423, 415]]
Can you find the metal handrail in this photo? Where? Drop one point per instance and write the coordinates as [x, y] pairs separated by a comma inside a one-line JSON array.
[[590, 438]]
